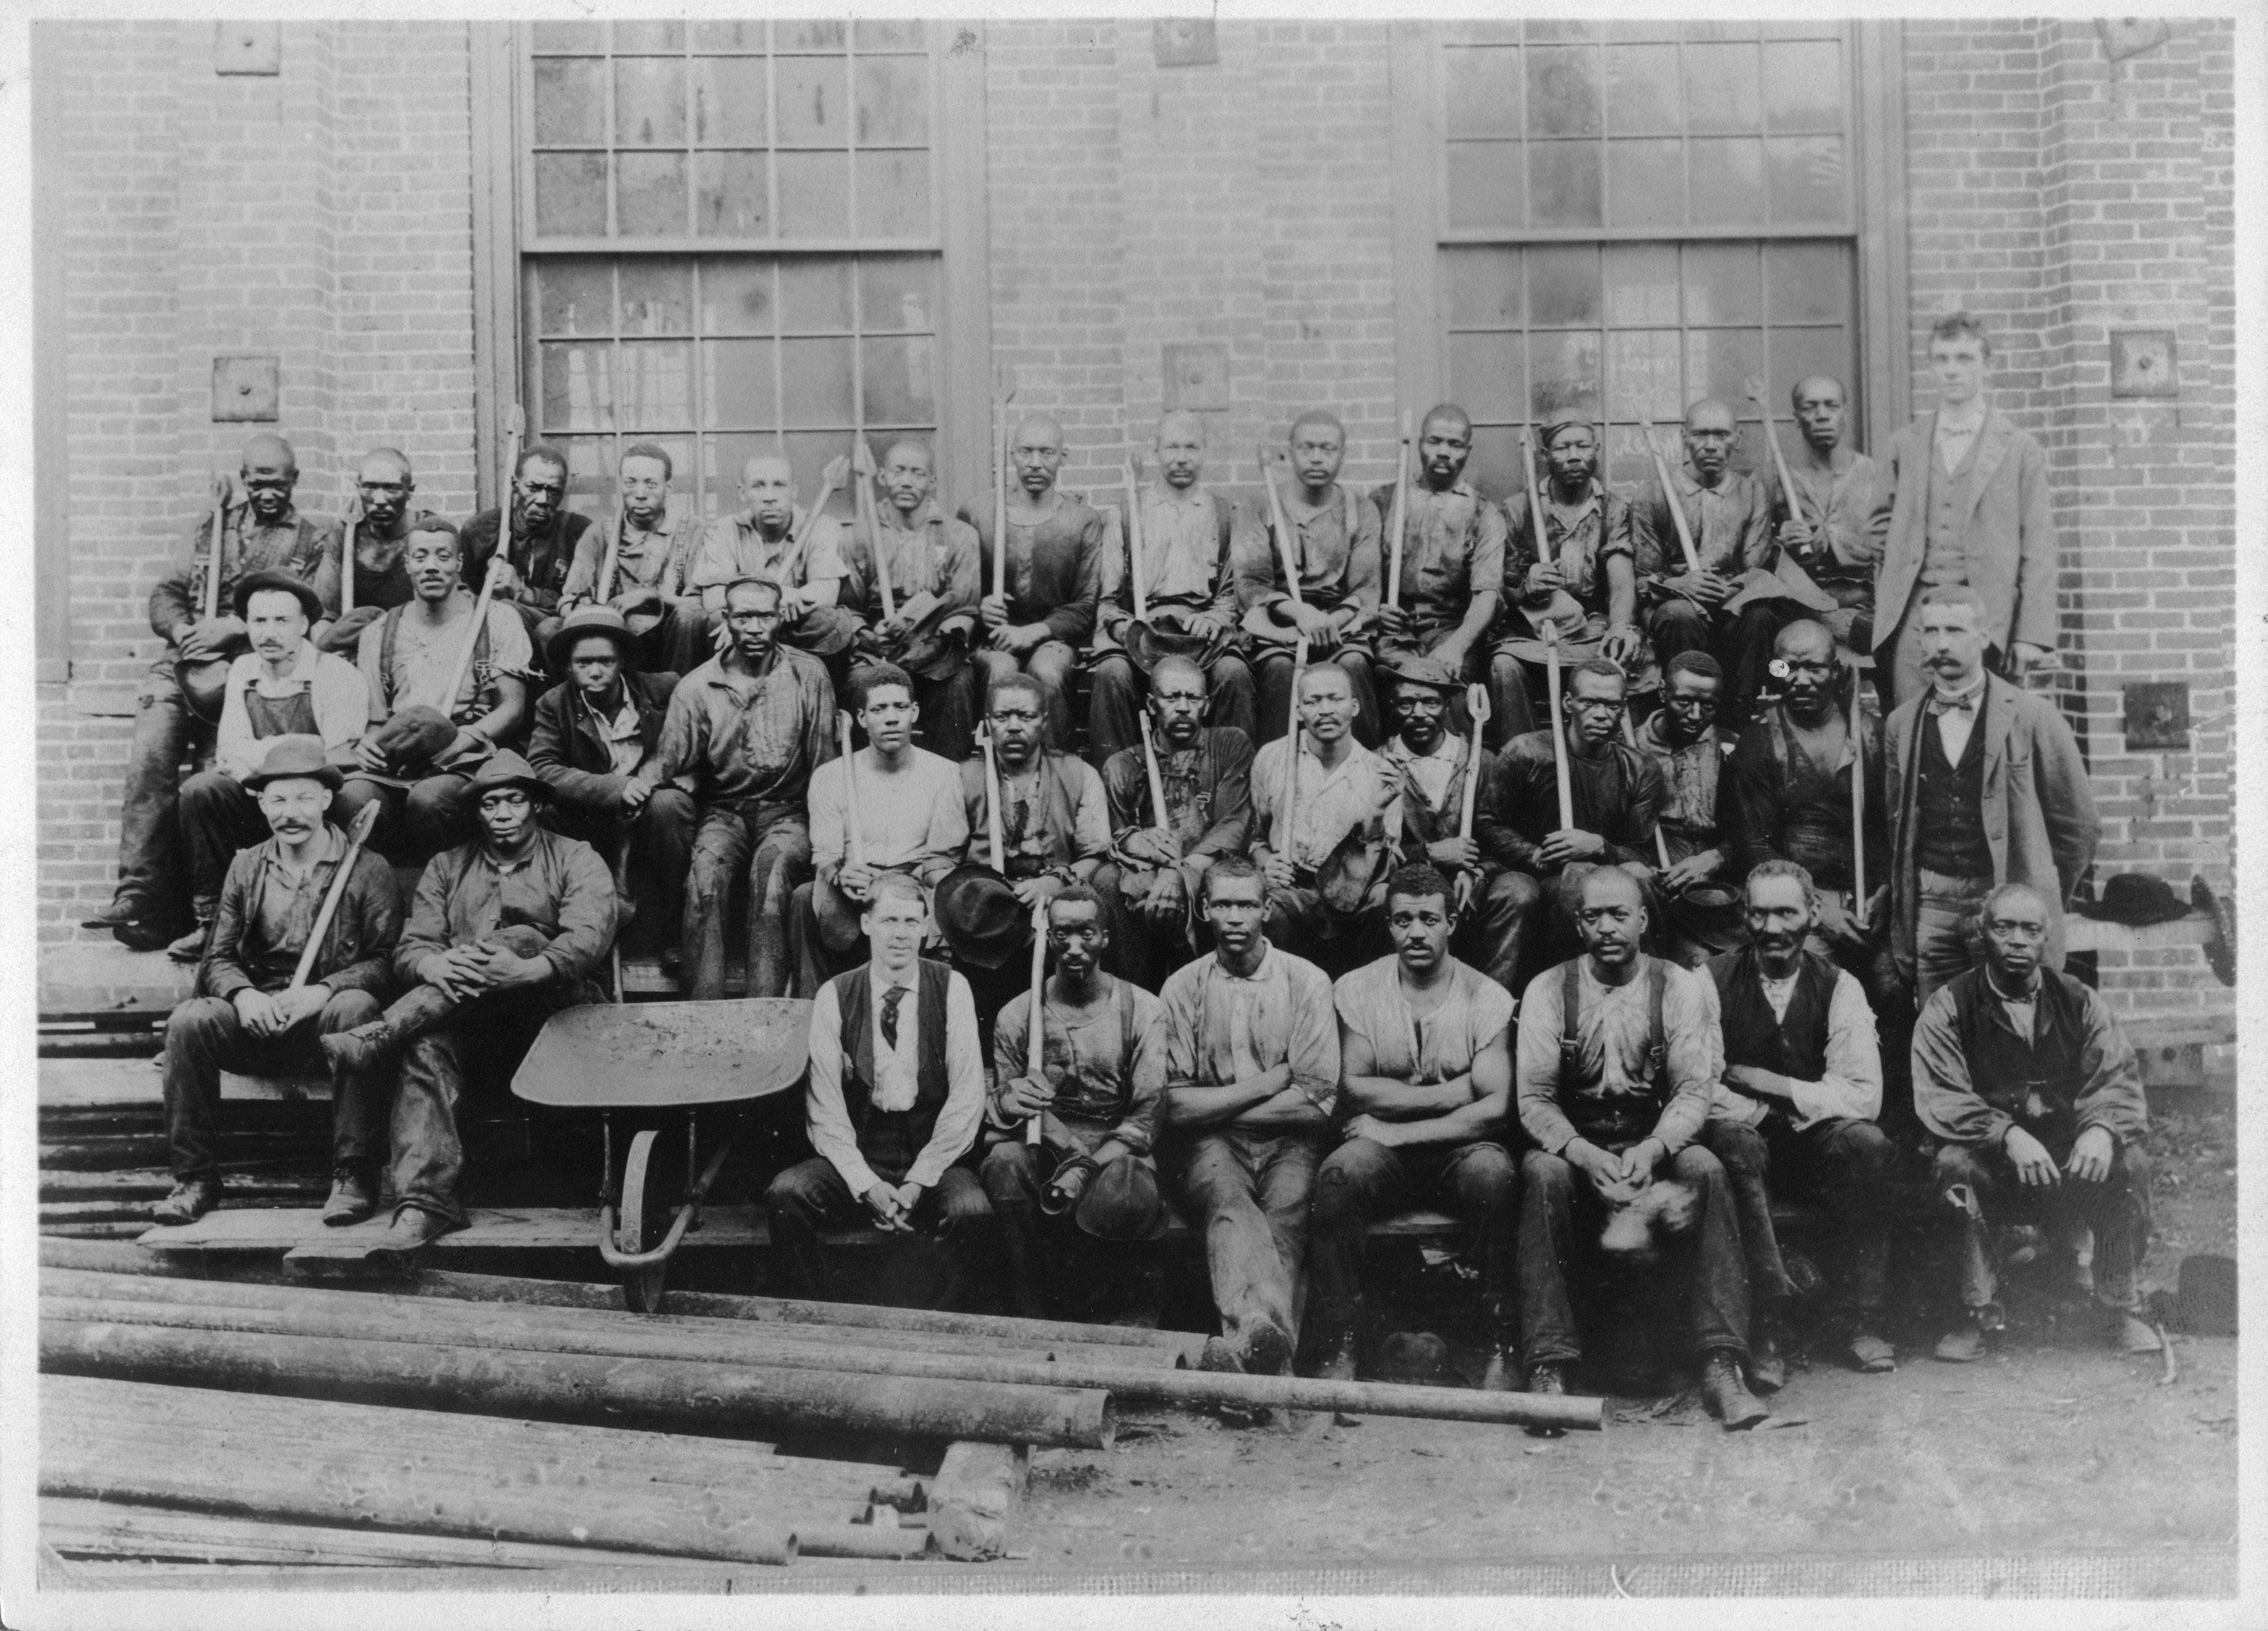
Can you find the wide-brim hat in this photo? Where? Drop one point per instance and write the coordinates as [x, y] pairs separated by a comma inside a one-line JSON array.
[[584, 621], [2136, 900], [1145, 643], [1714, 914], [296, 756], [981, 917], [1419, 669], [253, 583], [414, 735], [506, 769], [1123, 1203]]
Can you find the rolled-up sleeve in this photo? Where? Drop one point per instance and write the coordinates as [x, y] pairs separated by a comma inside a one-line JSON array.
[[1313, 1049]]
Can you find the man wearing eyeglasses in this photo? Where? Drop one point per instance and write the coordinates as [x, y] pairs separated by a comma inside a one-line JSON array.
[[545, 535]]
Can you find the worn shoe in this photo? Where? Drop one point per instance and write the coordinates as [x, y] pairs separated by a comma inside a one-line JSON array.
[[191, 946], [1220, 1354], [1729, 1400], [1871, 1353], [1268, 1350], [189, 1199], [110, 916], [143, 933], [2129, 1335], [351, 1200], [406, 1236], [1962, 1344], [1547, 1378], [1501, 1375], [673, 965], [363, 1048], [1335, 1355]]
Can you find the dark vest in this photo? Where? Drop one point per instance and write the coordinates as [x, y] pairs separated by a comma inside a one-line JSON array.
[[1795, 1046], [1619, 1122], [1950, 802], [2036, 1082], [891, 1140]]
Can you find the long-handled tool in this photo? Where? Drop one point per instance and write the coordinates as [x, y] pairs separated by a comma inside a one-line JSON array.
[[515, 434], [1669, 498], [994, 834], [855, 835], [1035, 1040], [791, 568], [614, 946], [1660, 844], [1559, 733], [1157, 812], [862, 502], [1756, 394], [347, 556], [1401, 513], [1287, 551], [1000, 436], [1479, 706], [1564, 609], [204, 680], [1857, 806], [1291, 758], [357, 835], [446, 701], [1134, 538]]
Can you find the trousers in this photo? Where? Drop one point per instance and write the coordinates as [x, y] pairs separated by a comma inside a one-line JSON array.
[[204, 1038], [1247, 1194], [661, 846], [1949, 939], [811, 1195], [1742, 643], [1362, 1181], [415, 823], [2117, 1209], [1044, 1253], [1843, 1164], [149, 871], [1116, 688], [771, 844]]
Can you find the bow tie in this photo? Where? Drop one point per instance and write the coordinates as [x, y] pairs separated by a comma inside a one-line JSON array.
[[1940, 703]]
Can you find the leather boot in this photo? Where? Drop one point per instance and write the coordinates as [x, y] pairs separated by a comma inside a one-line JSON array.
[[1335, 1341], [1551, 1379], [191, 946], [1767, 1368], [364, 1048], [1502, 1373], [351, 1200], [1728, 1397], [406, 1236], [189, 1199]]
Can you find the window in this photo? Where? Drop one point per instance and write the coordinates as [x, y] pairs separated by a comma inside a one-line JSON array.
[[729, 242], [1636, 215]]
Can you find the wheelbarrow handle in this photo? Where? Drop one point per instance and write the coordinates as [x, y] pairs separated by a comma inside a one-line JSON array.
[[616, 1257]]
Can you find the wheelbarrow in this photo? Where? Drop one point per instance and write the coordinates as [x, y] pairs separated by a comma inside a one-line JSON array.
[[639, 1059]]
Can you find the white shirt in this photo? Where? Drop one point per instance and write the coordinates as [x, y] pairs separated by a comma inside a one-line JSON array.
[[827, 1118], [1853, 1085], [1955, 724], [1954, 432], [334, 687]]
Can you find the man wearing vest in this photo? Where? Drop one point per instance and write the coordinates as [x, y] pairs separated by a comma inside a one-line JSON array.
[[759, 541], [1618, 1060], [248, 1015], [1039, 620], [1987, 786], [1452, 556], [1102, 1065], [653, 544], [1425, 1082], [896, 1092], [383, 486], [1796, 1105], [545, 534], [1961, 498], [936, 580], [2024, 1075]]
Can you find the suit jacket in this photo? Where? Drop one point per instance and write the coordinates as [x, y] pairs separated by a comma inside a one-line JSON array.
[[2010, 539], [2039, 816], [568, 750]]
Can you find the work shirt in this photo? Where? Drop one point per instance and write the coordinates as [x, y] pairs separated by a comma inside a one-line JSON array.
[[1223, 1027], [1615, 795], [732, 736], [1336, 544], [1349, 796], [1731, 525], [1583, 537], [654, 558], [1208, 793], [733, 546], [292, 545], [1188, 538], [558, 886], [2075, 1068], [1421, 1050], [1852, 1084], [936, 566], [542, 557], [1052, 814], [581, 749], [913, 822], [1055, 567], [265, 916], [1780, 803], [380, 579], [1103, 1087], [1690, 772], [1414, 823], [1612, 1035], [826, 1116], [424, 656], [1845, 498], [335, 691], [1452, 548]]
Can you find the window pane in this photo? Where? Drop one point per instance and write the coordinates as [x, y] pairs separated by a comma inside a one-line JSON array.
[[1484, 287], [1646, 184], [1494, 466], [1485, 184], [900, 379], [1642, 284], [1803, 86], [590, 474], [571, 101], [893, 194], [815, 376], [1720, 88], [568, 37], [1483, 91], [1564, 370], [812, 104], [571, 194], [890, 34], [1798, 353], [736, 297], [1560, 28], [1564, 177], [1488, 375], [574, 296], [665, 37], [1720, 362], [728, 102], [1642, 89], [657, 385], [1644, 375], [656, 297], [737, 384], [897, 291], [1721, 285], [1563, 285], [722, 457], [1626, 461], [1807, 179], [1641, 29], [650, 195], [1563, 91], [579, 392], [1719, 31], [815, 296], [807, 36], [1808, 283], [734, 192], [814, 196], [722, 36], [893, 101], [1728, 183], [648, 102]]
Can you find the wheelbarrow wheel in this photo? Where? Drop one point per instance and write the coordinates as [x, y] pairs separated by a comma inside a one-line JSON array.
[[654, 1182]]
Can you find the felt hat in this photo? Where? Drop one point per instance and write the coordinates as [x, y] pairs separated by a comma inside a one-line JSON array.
[[981, 917], [585, 621], [253, 583], [1122, 1202], [414, 736], [1714, 916], [506, 769], [295, 756], [2136, 900], [1419, 669]]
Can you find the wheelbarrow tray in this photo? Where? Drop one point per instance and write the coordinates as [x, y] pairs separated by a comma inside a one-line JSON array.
[[621, 1056]]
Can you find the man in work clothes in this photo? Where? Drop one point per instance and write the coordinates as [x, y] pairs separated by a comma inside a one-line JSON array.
[[654, 554], [759, 541], [1452, 556], [546, 536], [1681, 739], [1824, 526], [384, 484], [1325, 860], [1039, 620], [896, 1092], [248, 1015]]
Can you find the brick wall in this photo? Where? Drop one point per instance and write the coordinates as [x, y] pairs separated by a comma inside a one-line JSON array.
[[322, 214]]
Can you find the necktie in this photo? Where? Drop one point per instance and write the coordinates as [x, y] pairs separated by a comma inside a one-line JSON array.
[[1940, 703], [891, 998]]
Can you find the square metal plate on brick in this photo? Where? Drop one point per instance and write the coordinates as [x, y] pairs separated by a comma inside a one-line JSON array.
[[2142, 363], [244, 389], [248, 47], [2129, 36], [1197, 377], [1183, 42], [2157, 715]]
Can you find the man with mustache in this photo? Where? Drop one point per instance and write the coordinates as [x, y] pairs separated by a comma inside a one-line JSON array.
[[284, 686], [545, 535], [653, 560], [1038, 621], [1157, 865], [1795, 1110], [1617, 1061], [2024, 1076], [384, 484], [1452, 554], [1986, 787], [1824, 526], [759, 540], [248, 1017], [1324, 860], [1103, 1067]]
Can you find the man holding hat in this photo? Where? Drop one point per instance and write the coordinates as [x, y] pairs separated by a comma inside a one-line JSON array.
[[1491, 897], [504, 932], [1452, 555], [248, 1015], [1102, 1067], [598, 742], [1157, 864], [284, 686], [652, 544], [745, 730]]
